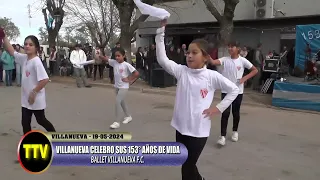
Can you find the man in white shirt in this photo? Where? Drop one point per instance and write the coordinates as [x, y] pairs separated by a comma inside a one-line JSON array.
[[233, 69], [78, 57]]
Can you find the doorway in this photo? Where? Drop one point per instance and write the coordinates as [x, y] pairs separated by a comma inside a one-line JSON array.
[[186, 39]]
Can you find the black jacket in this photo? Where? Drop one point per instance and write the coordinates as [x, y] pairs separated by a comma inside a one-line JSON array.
[[139, 60], [151, 59]]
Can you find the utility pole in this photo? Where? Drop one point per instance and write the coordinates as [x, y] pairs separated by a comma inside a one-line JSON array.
[[29, 14]]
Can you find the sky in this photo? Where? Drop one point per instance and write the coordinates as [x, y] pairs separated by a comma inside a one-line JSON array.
[[17, 11]]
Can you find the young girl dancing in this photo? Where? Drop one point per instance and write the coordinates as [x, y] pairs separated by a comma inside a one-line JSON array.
[[194, 95], [124, 75], [34, 79], [233, 68]]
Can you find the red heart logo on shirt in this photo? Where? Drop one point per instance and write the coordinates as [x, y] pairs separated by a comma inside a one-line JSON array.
[[121, 70], [27, 73], [203, 93], [238, 67]]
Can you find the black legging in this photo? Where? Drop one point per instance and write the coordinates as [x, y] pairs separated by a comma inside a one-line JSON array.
[[111, 75], [236, 104], [40, 117], [194, 146], [51, 66], [101, 68]]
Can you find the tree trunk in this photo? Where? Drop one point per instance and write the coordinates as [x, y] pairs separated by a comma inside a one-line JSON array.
[[53, 31], [52, 36], [125, 14], [225, 32], [225, 20], [125, 42]]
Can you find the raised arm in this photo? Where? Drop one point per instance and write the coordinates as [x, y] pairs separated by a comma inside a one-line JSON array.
[[170, 66], [7, 46], [18, 57], [108, 60]]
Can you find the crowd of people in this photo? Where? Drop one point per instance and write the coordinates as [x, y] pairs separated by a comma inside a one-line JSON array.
[[196, 84], [12, 70]]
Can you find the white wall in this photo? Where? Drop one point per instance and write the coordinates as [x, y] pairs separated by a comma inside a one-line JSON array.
[[190, 11], [298, 7], [194, 11]]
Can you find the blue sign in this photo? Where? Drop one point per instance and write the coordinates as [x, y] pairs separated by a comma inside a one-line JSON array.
[[307, 43]]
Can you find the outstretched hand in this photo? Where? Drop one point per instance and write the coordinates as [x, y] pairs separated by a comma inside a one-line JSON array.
[[32, 98], [125, 79], [211, 111], [104, 58], [163, 22]]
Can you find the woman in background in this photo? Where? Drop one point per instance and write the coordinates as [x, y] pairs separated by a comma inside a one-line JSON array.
[[290, 60], [52, 60], [98, 64], [140, 62], [8, 67]]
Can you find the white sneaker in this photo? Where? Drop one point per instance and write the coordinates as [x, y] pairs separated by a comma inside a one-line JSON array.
[[127, 120], [115, 125], [235, 136], [222, 141]]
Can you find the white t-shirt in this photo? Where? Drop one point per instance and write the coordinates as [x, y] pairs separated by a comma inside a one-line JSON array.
[[121, 70], [32, 72], [194, 94], [233, 69]]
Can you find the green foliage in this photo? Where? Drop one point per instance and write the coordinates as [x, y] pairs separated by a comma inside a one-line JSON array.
[[12, 31]]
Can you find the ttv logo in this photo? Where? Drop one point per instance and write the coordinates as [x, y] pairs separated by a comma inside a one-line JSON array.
[[238, 67], [27, 73], [203, 93], [120, 71]]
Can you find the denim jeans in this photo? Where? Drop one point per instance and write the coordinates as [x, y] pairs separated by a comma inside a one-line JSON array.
[[9, 77], [80, 74]]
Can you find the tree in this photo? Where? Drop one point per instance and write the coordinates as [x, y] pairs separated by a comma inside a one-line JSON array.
[[81, 35], [43, 33], [128, 22], [96, 18], [12, 31], [225, 18], [54, 19]]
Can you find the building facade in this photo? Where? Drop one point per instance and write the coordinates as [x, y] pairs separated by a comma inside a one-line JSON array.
[[270, 22]]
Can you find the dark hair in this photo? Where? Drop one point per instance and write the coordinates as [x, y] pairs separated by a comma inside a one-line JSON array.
[[234, 44], [203, 45], [78, 46], [121, 51], [138, 50], [35, 41], [259, 45], [118, 43], [14, 46]]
